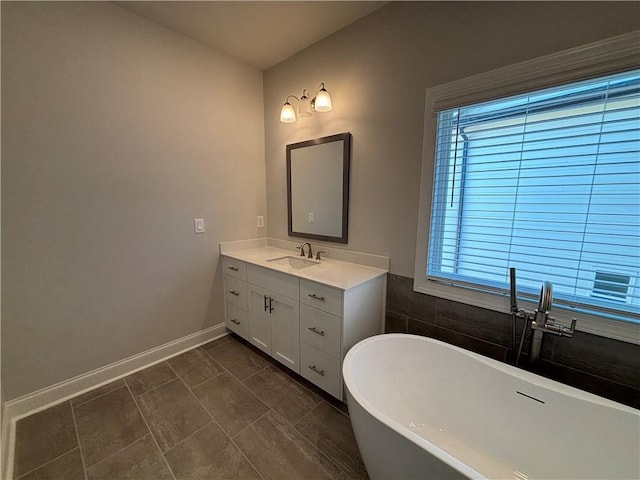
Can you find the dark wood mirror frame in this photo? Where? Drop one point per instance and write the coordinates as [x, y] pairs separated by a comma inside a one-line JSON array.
[[346, 161]]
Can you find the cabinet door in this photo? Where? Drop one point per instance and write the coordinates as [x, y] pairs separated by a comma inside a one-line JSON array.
[[285, 331], [259, 318]]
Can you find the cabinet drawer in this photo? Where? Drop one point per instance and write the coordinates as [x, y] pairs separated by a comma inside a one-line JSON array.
[[278, 282], [235, 292], [321, 296], [320, 329], [320, 369], [235, 268], [237, 321]]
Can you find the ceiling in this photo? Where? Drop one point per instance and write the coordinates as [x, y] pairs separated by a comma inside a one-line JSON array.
[[260, 33]]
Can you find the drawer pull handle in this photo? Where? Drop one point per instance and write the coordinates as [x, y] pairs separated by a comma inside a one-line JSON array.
[[233, 292], [235, 269], [319, 372], [237, 322], [315, 297], [319, 332]]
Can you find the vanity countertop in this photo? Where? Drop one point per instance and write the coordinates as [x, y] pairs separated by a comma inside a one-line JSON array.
[[335, 273]]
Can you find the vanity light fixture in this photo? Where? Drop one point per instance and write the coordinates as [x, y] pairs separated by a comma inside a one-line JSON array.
[[321, 103]]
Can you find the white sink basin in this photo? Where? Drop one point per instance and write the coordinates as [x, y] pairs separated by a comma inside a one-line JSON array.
[[294, 262]]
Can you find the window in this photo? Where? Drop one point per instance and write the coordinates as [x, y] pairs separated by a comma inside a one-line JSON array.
[[546, 180]]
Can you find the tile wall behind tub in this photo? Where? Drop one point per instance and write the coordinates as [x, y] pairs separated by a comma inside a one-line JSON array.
[[599, 365]]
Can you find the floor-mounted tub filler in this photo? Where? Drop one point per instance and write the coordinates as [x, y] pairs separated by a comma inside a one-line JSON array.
[[424, 409]]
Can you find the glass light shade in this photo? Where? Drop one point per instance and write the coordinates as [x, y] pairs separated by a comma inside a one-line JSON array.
[[323, 101], [287, 114], [304, 106]]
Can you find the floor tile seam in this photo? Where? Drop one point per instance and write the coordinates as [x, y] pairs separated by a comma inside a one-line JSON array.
[[74, 405], [304, 387], [121, 449], [75, 427], [194, 395], [226, 369], [268, 404], [213, 416], [231, 339], [252, 375], [124, 447], [227, 435], [246, 378], [310, 444], [206, 350], [270, 410], [154, 388], [321, 452], [244, 455], [188, 436], [315, 395], [168, 360], [201, 383], [135, 401], [46, 463], [317, 448]]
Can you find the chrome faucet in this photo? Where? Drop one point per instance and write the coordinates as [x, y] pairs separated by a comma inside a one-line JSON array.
[[301, 248], [541, 321]]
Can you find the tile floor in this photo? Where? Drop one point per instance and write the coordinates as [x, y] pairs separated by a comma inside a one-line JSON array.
[[223, 410]]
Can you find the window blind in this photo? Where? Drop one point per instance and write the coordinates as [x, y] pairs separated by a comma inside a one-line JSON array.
[[547, 182]]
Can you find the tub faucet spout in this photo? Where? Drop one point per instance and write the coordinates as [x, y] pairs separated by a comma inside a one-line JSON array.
[[543, 323]]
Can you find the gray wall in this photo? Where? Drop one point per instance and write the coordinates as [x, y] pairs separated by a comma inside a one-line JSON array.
[[116, 134], [377, 71]]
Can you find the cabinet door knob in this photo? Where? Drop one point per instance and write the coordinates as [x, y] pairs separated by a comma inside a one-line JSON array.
[[235, 321], [315, 369], [235, 269], [314, 330], [315, 297], [233, 292]]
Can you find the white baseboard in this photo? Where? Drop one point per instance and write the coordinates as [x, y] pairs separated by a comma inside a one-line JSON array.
[[47, 397]]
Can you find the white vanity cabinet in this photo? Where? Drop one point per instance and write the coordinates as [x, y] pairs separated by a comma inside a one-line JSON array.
[[273, 325], [274, 319], [331, 322], [305, 324], [235, 296]]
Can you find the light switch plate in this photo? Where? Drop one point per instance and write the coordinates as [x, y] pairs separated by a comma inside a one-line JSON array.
[[198, 225]]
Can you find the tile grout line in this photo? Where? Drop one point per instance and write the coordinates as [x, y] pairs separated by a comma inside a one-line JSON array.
[[321, 452], [309, 443], [188, 436], [243, 454], [75, 427], [223, 430], [270, 410], [151, 389], [128, 444], [293, 425], [253, 423], [135, 401], [95, 398], [45, 464]]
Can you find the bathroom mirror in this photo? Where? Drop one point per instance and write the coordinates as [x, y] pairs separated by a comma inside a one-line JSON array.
[[318, 188]]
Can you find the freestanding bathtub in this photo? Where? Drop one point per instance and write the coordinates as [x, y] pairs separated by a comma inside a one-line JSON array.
[[424, 409]]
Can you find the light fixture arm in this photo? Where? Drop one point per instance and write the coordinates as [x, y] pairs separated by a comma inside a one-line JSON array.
[[320, 103]]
